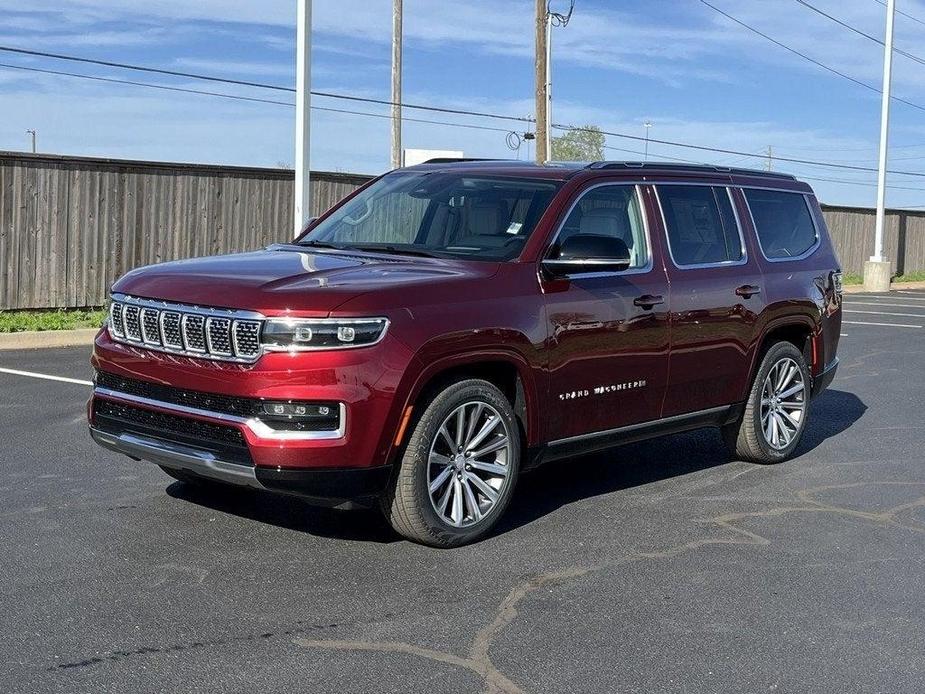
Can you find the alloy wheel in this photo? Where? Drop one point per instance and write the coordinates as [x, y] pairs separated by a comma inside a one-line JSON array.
[[783, 404], [469, 464]]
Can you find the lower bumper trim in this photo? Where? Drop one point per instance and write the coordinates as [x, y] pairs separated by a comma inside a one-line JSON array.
[[338, 487], [177, 456]]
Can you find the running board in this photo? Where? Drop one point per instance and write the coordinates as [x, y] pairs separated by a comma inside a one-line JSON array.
[[602, 440]]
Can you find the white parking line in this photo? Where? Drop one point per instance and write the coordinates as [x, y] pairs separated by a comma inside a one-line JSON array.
[[886, 325], [904, 297], [874, 303], [47, 377], [887, 313]]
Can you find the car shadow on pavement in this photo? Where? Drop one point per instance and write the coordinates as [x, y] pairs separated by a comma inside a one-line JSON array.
[[289, 512], [551, 486], [539, 492]]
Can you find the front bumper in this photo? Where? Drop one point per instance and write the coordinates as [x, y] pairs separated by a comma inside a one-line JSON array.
[[338, 488]]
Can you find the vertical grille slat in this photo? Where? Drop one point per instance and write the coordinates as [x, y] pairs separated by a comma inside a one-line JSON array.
[[116, 323], [246, 338], [132, 323], [220, 334], [218, 338], [150, 326], [194, 333]]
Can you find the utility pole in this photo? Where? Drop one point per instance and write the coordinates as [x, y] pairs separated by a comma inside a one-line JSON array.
[[32, 132], [542, 82], [770, 158], [303, 74], [647, 125], [878, 270], [396, 82]]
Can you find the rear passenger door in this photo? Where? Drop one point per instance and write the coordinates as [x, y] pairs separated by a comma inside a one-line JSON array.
[[715, 297]]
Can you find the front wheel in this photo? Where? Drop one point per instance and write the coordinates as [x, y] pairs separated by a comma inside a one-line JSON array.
[[459, 469], [775, 415]]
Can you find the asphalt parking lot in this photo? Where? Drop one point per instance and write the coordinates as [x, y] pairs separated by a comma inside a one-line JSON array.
[[658, 567]]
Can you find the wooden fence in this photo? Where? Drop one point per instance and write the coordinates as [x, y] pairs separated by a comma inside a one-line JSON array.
[[70, 226]]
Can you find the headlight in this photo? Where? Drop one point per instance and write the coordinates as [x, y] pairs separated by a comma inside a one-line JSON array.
[[300, 334]]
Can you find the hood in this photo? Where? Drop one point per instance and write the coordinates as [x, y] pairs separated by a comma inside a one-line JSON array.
[[282, 278]]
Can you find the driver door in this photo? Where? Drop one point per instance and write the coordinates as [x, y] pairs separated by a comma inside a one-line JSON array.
[[608, 334]]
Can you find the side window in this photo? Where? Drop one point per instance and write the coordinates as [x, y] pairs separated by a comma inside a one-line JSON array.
[[701, 225], [783, 222], [610, 210]]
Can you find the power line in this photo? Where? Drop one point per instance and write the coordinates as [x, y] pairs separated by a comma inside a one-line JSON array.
[[212, 78], [436, 109], [857, 31], [904, 14], [806, 57], [243, 98]]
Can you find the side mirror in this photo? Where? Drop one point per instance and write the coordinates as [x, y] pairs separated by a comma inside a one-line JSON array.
[[583, 253]]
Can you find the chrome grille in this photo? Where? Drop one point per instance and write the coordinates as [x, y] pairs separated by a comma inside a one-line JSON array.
[[194, 332], [116, 322], [218, 336], [246, 338], [150, 330], [191, 330], [170, 330], [132, 322]]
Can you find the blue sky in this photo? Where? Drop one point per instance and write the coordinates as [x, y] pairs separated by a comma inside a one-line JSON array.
[[695, 75]]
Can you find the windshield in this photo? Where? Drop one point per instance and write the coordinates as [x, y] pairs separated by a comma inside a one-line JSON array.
[[439, 214]]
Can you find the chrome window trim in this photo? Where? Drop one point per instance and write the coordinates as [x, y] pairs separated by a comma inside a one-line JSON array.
[[803, 256], [637, 192], [258, 427], [699, 266]]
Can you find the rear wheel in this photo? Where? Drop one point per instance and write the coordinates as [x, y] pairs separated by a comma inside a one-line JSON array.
[[458, 472], [775, 415]]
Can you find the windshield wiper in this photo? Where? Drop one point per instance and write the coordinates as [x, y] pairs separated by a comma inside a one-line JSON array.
[[386, 248], [322, 244]]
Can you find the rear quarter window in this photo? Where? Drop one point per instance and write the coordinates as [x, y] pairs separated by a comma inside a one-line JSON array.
[[783, 223]]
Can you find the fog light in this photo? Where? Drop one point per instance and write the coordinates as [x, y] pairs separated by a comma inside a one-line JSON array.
[[286, 415]]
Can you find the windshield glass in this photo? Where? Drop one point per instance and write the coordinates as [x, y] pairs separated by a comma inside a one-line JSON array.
[[440, 214]]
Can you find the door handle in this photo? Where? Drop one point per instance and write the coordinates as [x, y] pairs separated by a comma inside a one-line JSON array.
[[748, 290], [647, 301]]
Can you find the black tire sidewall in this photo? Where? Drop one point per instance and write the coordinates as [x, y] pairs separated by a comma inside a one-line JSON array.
[[418, 452], [772, 356]]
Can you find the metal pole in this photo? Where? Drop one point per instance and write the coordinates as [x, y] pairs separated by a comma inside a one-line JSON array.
[[396, 82], [884, 133], [770, 157], [647, 125], [32, 132], [548, 85], [303, 115], [540, 76]]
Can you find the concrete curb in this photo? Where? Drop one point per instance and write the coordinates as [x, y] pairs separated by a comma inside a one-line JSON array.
[[36, 339], [859, 288]]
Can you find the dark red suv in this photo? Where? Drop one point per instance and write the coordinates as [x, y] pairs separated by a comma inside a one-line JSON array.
[[452, 324]]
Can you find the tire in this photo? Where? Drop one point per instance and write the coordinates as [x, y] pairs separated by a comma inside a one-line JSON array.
[[755, 437], [473, 482]]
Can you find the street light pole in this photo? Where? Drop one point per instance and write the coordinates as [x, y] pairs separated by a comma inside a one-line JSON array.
[[32, 132], [302, 199], [647, 125], [877, 271], [396, 82]]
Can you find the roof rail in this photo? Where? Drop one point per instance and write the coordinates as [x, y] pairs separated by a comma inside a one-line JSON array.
[[452, 160], [707, 168]]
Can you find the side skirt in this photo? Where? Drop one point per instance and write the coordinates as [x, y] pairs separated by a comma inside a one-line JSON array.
[[602, 440]]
